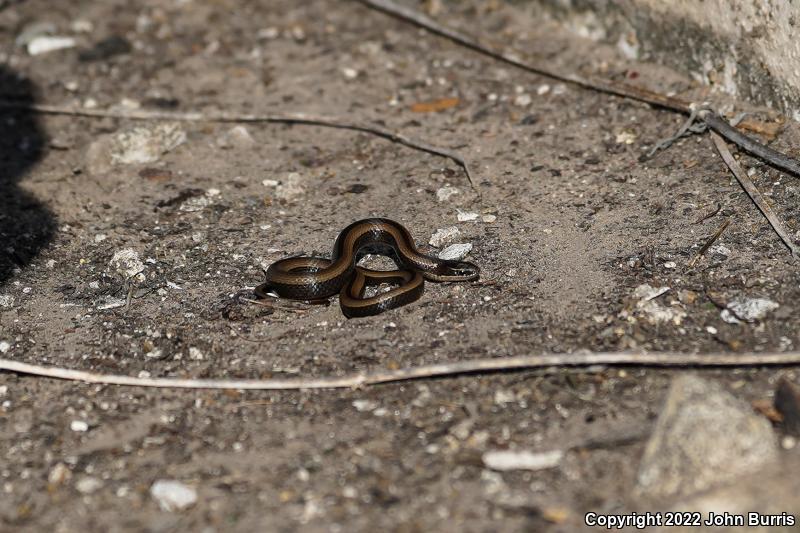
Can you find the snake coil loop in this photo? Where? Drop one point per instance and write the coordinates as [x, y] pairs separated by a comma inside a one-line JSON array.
[[317, 278]]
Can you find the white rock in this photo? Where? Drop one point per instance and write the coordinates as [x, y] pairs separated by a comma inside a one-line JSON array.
[[719, 249], [88, 485], [79, 426], [291, 187], [653, 310], [5, 346], [143, 145], [44, 44], [645, 293], [455, 252], [236, 137], [270, 183], [6, 300], [445, 193], [198, 203], [466, 216], [489, 218], [543, 89], [350, 73], [521, 460], [751, 309], [195, 354], [670, 264], [364, 405], [155, 353], [127, 263], [704, 436], [59, 474], [523, 100], [441, 236], [173, 495]]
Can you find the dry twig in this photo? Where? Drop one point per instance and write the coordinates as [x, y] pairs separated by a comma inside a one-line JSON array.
[[709, 242], [753, 192], [712, 119], [474, 366], [289, 118]]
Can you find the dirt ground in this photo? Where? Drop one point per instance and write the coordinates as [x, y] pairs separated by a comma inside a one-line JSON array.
[[571, 220]]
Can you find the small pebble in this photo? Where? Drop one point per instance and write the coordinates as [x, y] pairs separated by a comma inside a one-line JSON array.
[[445, 193], [79, 426], [59, 474], [195, 354], [523, 100], [6, 300], [4, 346], [44, 44], [489, 218], [350, 73], [88, 485], [466, 216], [173, 495], [670, 264], [522, 460]]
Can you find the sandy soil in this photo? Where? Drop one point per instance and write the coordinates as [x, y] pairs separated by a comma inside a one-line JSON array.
[[579, 221]]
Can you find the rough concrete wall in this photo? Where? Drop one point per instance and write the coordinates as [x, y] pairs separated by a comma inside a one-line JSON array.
[[747, 48]]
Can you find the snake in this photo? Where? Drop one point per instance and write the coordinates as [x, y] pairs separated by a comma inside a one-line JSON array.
[[316, 279]]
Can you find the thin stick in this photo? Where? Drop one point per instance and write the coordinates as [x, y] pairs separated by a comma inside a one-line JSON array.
[[753, 192], [709, 242], [714, 121], [473, 366], [291, 118]]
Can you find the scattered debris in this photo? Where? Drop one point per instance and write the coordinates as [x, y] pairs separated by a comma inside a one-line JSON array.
[[455, 252], [442, 236], [173, 495], [522, 460], [704, 436], [435, 106]]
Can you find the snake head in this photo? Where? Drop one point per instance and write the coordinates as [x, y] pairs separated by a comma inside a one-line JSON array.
[[459, 271]]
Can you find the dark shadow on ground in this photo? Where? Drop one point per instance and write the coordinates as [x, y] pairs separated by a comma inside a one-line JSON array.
[[26, 226]]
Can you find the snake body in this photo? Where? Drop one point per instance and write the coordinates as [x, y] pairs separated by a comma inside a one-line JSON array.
[[317, 278]]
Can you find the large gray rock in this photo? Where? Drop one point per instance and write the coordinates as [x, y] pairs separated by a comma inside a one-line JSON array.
[[773, 493], [704, 437]]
